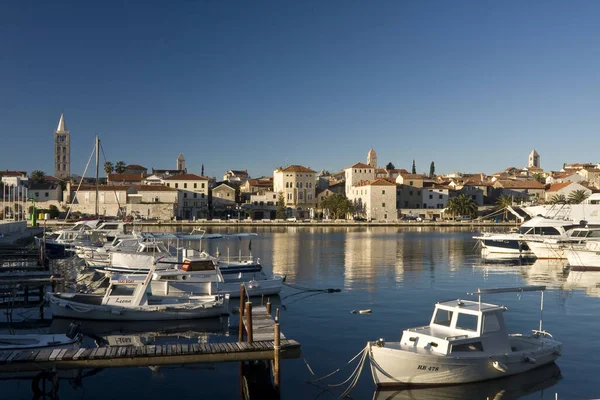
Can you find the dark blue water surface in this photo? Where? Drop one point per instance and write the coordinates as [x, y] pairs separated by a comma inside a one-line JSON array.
[[398, 273]]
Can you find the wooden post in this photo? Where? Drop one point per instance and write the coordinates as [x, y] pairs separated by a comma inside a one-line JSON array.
[[276, 370], [249, 322], [277, 315], [269, 305], [262, 300], [242, 302]]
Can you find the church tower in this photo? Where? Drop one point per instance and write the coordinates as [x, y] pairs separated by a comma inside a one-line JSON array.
[[181, 162], [62, 150], [372, 158], [534, 159]]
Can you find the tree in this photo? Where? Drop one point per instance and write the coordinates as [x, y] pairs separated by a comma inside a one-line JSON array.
[[414, 167], [38, 176], [577, 196], [280, 214], [539, 178], [503, 202], [108, 167], [558, 199], [432, 170], [120, 167], [338, 205], [462, 205], [390, 166]]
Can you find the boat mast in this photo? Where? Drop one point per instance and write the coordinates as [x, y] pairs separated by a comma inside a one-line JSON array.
[[97, 157]]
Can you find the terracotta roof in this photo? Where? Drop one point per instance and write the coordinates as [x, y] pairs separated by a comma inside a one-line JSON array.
[[126, 177], [592, 169], [43, 186], [297, 168], [187, 177], [555, 187], [88, 188], [376, 182], [238, 171], [260, 182], [534, 169], [13, 173], [360, 165], [521, 184]]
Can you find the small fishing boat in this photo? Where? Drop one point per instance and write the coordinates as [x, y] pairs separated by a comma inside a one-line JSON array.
[[202, 275], [466, 341], [70, 340], [128, 299]]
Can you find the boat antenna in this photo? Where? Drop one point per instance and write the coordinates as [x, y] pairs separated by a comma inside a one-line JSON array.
[[541, 310], [97, 157]]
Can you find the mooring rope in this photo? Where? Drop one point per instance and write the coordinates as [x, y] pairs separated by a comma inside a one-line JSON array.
[[305, 289]]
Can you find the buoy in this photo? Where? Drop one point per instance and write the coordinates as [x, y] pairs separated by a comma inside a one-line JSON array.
[[365, 312], [499, 366]]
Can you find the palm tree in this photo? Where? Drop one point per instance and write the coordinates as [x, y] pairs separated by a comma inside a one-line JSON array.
[[38, 176], [503, 202], [578, 196], [108, 167], [462, 205], [558, 198], [120, 167]]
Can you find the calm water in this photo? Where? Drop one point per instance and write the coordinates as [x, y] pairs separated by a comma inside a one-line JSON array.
[[398, 273]]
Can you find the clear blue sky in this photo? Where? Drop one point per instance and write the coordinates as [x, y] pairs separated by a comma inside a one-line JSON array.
[[472, 85]]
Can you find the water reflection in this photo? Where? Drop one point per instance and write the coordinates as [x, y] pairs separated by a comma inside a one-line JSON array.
[[514, 387], [589, 281]]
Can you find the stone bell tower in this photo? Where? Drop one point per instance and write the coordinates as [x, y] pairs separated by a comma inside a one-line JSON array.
[[62, 150]]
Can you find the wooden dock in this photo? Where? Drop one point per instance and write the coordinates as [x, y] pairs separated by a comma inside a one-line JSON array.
[[130, 356]]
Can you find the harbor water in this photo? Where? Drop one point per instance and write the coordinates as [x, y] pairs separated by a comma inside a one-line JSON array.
[[398, 273]]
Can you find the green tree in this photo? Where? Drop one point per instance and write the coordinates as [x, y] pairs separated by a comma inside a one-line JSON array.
[[38, 176], [390, 166], [539, 178], [108, 167], [120, 167], [557, 199], [280, 214], [577, 196], [338, 205], [414, 167], [503, 202], [432, 170], [53, 211], [462, 205]]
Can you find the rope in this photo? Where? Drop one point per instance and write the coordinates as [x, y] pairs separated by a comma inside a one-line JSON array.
[[340, 368], [305, 289]]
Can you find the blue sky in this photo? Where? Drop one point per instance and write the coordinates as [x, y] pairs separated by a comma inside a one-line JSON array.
[[472, 85]]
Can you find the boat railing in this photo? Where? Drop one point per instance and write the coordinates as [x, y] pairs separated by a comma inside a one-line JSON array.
[[418, 328], [456, 337]]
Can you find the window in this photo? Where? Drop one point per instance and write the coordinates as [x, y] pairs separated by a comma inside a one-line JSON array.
[[122, 290], [185, 203], [185, 185], [300, 196], [410, 192], [47, 194], [382, 204], [473, 346], [442, 317], [185, 195], [410, 183], [176, 185], [195, 186], [383, 192], [227, 194], [440, 196], [491, 323], [201, 195], [430, 196], [203, 186], [195, 195], [467, 322], [37, 194], [168, 185]]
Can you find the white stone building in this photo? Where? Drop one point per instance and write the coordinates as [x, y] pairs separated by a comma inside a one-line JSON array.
[[357, 173], [564, 189], [193, 195], [375, 200], [297, 183]]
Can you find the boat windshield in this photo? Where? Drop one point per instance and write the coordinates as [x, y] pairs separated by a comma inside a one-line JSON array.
[[467, 322], [443, 317]]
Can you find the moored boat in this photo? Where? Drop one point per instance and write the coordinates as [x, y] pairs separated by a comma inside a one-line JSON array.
[[466, 341]]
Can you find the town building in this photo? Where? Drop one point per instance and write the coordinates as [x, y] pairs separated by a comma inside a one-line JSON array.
[[236, 175], [530, 191], [564, 189], [375, 200], [193, 195], [297, 184]]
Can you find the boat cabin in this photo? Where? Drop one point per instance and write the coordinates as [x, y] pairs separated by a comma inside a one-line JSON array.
[[127, 290], [461, 327]]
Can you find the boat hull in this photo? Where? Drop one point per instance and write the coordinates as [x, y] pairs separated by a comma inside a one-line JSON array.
[[393, 366], [506, 246], [65, 308], [268, 287]]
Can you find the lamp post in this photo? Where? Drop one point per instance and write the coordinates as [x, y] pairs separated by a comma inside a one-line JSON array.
[[238, 208]]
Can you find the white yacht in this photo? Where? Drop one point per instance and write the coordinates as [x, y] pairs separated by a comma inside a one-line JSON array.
[[584, 258], [517, 243], [466, 341], [554, 247]]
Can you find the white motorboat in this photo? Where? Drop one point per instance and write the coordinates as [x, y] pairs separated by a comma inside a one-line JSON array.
[[466, 341], [128, 299], [554, 247], [70, 340], [202, 274], [584, 258], [142, 259], [517, 243]]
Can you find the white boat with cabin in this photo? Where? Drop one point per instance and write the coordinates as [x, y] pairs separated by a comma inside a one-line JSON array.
[[465, 341], [554, 247], [517, 243], [202, 275], [584, 258], [128, 299]]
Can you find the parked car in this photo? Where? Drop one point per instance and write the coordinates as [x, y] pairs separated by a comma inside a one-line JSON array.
[[464, 218], [361, 219], [291, 219]]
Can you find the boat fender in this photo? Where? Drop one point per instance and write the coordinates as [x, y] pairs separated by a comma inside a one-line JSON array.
[[530, 360], [433, 344], [499, 366], [365, 312]]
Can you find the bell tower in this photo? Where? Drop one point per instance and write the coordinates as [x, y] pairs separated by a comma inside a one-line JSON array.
[[62, 150], [181, 162]]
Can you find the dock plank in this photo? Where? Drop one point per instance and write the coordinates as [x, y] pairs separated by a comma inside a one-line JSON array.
[[78, 354], [43, 355]]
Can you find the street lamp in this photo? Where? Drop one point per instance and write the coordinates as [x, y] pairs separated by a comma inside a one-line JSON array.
[[238, 208]]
